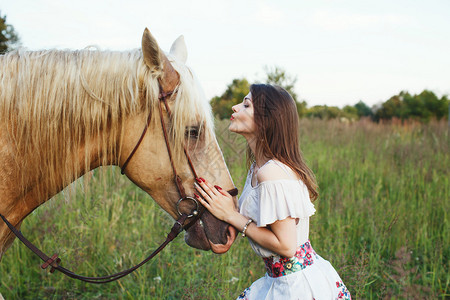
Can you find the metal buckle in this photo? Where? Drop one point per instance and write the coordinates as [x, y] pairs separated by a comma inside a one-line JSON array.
[[194, 212]]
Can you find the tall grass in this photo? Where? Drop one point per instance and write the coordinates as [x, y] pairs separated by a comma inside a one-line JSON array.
[[381, 220]]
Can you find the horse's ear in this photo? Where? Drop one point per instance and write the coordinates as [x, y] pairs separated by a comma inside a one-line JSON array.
[[156, 60], [179, 50], [151, 51]]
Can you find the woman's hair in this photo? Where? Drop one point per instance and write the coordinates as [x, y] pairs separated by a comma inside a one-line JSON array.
[[277, 131]]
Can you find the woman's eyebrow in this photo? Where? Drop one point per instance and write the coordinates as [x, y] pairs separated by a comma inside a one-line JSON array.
[[247, 98]]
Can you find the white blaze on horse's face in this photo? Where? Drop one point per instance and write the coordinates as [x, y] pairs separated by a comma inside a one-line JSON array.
[[150, 167]]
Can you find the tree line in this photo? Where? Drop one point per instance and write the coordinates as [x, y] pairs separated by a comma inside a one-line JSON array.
[[422, 107]]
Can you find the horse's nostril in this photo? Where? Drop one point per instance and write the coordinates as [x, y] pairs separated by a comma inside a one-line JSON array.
[[231, 232]]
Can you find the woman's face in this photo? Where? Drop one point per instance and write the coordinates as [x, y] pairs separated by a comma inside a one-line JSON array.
[[242, 120]]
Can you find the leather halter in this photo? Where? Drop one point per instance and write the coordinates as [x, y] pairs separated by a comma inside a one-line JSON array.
[[177, 179], [178, 227]]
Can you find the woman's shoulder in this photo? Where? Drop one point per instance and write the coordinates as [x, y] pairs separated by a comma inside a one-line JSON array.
[[281, 194], [275, 170]]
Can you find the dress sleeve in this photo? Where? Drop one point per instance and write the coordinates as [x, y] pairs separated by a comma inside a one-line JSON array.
[[280, 199]]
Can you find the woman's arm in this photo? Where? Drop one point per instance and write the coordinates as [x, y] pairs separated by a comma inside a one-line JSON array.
[[280, 237]]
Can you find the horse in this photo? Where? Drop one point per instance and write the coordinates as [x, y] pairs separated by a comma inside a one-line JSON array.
[[64, 113]]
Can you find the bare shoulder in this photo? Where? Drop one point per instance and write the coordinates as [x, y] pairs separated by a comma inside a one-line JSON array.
[[274, 171]]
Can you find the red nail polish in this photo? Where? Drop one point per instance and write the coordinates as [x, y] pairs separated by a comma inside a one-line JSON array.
[[198, 180], [217, 187], [202, 179], [196, 196]]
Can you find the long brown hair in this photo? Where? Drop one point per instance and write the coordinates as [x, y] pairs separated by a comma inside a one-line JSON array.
[[277, 127]]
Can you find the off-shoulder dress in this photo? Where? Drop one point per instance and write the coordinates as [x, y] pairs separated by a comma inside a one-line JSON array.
[[303, 276]]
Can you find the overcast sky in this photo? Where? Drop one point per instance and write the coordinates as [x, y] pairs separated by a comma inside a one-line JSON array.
[[340, 51]]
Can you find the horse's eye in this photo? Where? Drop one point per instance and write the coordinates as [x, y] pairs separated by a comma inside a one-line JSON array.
[[192, 132]]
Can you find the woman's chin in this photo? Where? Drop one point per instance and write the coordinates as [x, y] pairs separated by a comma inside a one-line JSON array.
[[233, 128]]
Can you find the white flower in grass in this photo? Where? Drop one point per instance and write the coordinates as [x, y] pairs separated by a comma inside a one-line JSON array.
[[157, 279], [233, 280]]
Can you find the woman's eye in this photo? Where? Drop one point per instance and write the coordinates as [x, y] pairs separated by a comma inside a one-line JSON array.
[[246, 105]]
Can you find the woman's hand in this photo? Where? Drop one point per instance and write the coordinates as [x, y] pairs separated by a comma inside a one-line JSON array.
[[280, 237], [218, 201]]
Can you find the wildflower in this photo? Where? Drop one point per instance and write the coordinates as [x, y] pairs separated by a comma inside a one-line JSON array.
[[233, 280]]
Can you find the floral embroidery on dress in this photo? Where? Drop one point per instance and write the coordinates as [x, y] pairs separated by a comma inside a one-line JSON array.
[[281, 266], [343, 291], [243, 295]]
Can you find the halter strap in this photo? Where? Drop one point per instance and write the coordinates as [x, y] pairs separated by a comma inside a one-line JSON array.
[[177, 179], [122, 170]]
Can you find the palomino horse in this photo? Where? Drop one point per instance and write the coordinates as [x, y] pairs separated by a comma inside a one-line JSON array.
[[64, 113]]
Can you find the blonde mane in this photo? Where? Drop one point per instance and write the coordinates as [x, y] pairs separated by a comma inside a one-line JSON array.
[[53, 102]]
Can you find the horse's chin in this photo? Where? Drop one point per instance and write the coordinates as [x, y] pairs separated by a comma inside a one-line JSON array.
[[195, 237], [202, 235]]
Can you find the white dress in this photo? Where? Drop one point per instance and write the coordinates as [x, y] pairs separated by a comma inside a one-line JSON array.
[[304, 276]]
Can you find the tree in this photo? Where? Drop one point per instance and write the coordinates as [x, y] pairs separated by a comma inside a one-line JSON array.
[[8, 37], [234, 94], [422, 107], [278, 76], [239, 88], [437, 107], [394, 107], [415, 107], [362, 109], [301, 108], [350, 112], [324, 112]]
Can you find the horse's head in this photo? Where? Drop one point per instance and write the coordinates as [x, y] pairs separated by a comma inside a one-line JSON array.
[[190, 125]]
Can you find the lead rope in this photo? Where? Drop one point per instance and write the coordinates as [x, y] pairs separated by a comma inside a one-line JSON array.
[[54, 261]]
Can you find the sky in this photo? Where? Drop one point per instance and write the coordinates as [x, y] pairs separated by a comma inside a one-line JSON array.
[[340, 51]]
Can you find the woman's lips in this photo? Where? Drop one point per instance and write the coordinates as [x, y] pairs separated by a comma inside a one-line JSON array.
[[232, 118]]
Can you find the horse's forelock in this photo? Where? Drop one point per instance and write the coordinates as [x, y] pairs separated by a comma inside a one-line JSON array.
[[190, 106]]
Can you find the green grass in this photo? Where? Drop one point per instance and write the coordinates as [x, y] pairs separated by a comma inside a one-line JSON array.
[[381, 220]]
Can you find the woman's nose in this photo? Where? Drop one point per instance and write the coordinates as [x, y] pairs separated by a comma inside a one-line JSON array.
[[234, 108]]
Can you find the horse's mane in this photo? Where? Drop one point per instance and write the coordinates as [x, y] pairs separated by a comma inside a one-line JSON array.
[[55, 101]]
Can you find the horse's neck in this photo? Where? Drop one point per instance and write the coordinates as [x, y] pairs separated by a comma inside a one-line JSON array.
[[17, 201], [86, 157], [28, 184]]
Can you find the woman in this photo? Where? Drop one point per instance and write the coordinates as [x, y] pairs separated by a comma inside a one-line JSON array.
[[275, 205]]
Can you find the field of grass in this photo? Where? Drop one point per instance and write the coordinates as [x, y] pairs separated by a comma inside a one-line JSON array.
[[381, 220]]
